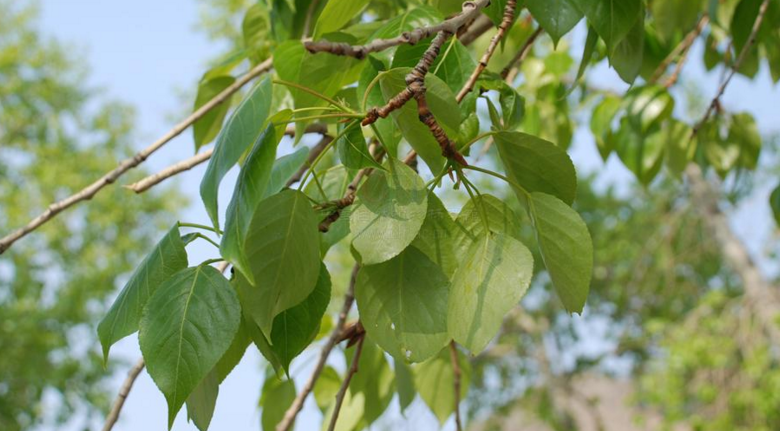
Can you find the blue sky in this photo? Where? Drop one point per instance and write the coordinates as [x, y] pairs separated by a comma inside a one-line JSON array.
[[146, 52]]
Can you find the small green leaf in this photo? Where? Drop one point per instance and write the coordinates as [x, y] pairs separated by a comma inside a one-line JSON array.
[[744, 131], [672, 18], [537, 165], [294, 329], [404, 382], [642, 155], [434, 381], [680, 148], [612, 19], [374, 382], [337, 14], [282, 248], [277, 396], [389, 213], [167, 258], [491, 280], [557, 17], [601, 124], [435, 239], [202, 401], [566, 247], [207, 127], [242, 130], [470, 226], [403, 305], [353, 150], [187, 326], [326, 388], [284, 169], [627, 55]]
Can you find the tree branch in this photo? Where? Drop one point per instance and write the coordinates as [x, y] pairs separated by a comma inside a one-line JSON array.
[[127, 164], [456, 374], [506, 22], [510, 71], [353, 369], [297, 405], [124, 391], [734, 67], [470, 11]]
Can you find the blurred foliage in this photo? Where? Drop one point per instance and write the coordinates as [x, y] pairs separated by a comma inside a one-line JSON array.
[[57, 137]]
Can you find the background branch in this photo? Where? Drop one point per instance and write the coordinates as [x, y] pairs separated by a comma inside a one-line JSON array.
[[510, 71], [345, 384], [124, 391], [456, 383]]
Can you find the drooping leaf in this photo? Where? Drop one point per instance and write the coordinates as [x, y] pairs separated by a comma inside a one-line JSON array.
[[375, 381], [282, 249], [744, 131], [680, 147], [470, 227], [490, 281], [612, 19], [434, 381], [601, 124], [388, 213], [566, 248], [250, 189], [277, 396], [167, 258], [627, 55], [186, 327], [202, 401], [241, 130], [233, 354], [403, 305], [294, 329], [537, 165], [207, 127], [643, 155], [353, 150], [337, 14], [435, 238], [284, 169], [587, 54], [674, 17], [557, 17]]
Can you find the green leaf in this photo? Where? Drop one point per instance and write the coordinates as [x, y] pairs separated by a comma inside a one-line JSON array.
[[384, 128], [294, 329], [648, 106], [234, 353], [680, 148], [774, 203], [512, 103], [250, 189], [374, 382], [470, 226], [336, 14], [587, 54], [627, 55], [207, 127], [277, 396], [254, 332], [556, 17], [334, 182], [255, 29], [672, 18], [282, 248], [442, 104], [612, 19], [351, 413], [202, 401], [742, 22], [744, 131], [490, 281], [495, 11], [242, 129], [601, 124], [454, 64], [403, 305], [643, 155], [284, 169], [537, 165], [326, 388], [187, 326], [389, 212], [167, 258], [435, 239], [353, 150], [404, 382], [566, 247], [434, 381]]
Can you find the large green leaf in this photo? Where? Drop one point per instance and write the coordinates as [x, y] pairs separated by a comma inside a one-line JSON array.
[[202, 401], [294, 329], [442, 105], [207, 127], [403, 305], [434, 381], [612, 19], [233, 354], [490, 281], [250, 189], [537, 165], [276, 397], [435, 239], [470, 227], [167, 258], [282, 248], [242, 130], [566, 248], [336, 14], [389, 213], [557, 17], [187, 326]]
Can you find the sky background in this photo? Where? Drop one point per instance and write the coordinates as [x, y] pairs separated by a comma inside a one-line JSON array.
[[147, 53]]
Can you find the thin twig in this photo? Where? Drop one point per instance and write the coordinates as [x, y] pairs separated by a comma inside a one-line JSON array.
[[506, 22], [297, 405], [470, 11], [313, 154], [353, 369], [734, 67], [456, 374], [127, 164], [510, 71], [681, 49], [124, 391]]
